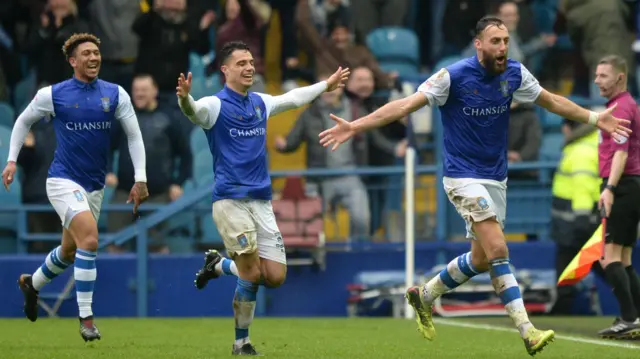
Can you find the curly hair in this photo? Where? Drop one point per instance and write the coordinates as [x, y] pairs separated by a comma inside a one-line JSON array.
[[75, 40]]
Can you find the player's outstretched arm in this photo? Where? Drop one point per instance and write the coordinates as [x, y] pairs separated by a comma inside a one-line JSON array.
[[434, 91], [40, 107], [304, 95], [568, 109], [203, 112], [129, 121], [390, 112]]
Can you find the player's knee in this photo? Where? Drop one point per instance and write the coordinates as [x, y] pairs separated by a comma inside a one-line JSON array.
[[68, 254], [249, 267], [497, 250], [273, 273], [480, 261], [88, 242], [252, 275], [489, 233], [84, 231], [274, 280]]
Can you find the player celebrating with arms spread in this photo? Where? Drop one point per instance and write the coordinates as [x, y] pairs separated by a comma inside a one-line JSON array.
[[83, 109], [620, 170], [235, 123], [474, 96]]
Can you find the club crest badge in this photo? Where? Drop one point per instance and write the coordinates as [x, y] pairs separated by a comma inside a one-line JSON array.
[[105, 104], [78, 195], [504, 87]]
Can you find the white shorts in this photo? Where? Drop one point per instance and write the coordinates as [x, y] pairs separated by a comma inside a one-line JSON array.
[[477, 199], [249, 225], [69, 198]]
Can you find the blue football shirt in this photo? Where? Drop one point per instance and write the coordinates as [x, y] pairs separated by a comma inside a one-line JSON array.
[[236, 130], [474, 106], [82, 116]]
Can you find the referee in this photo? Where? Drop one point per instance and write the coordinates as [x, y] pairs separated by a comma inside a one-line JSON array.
[[619, 163]]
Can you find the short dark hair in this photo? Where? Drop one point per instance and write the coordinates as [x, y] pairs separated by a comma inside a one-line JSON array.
[[485, 22], [618, 63], [146, 76], [75, 40], [228, 49]]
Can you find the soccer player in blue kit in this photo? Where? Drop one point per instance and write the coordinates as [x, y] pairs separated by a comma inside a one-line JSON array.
[[235, 123], [474, 96], [82, 109]]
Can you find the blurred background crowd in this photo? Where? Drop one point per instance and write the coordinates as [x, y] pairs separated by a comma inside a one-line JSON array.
[[390, 46]]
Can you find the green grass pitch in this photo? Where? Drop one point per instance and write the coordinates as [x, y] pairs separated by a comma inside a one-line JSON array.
[[490, 338]]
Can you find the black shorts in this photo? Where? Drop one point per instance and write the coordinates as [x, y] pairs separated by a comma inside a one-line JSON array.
[[622, 224]]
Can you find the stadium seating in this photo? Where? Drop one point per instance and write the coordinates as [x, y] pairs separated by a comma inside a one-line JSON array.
[[198, 141], [181, 228], [202, 168], [444, 62], [551, 147], [7, 115], [301, 224], [208, 228], [396, 49], [551, 122], [9, 220], [25, 90], [104, 215]]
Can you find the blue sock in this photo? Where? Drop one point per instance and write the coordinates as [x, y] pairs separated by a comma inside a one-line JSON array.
[[84, 273], [506, 286], [52, 267], [457, 272], [244, 305]]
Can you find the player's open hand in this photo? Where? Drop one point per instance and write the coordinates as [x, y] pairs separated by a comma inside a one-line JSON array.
[[617, 127], [338, 79], [139, 193], [337, 134], [8, 174], [184, 85]]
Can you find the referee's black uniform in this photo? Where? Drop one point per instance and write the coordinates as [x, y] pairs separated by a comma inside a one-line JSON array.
[[624, 217]]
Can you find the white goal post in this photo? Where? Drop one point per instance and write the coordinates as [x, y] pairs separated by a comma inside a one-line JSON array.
[[409, 217]]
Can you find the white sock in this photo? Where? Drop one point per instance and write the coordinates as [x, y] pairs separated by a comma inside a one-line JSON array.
[[52, 267], [506, 286], [457, 272], [85, 275], [226, 267]]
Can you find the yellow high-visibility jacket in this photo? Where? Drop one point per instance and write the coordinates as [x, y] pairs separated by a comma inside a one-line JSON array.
[[576, 191]]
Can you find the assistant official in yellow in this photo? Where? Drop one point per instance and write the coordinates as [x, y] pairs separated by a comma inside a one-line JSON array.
[[574, 209]]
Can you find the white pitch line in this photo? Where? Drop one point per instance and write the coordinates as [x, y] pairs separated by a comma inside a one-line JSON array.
[[605, 343]]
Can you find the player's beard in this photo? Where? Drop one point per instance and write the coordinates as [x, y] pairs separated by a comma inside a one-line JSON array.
[[491, 64]]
